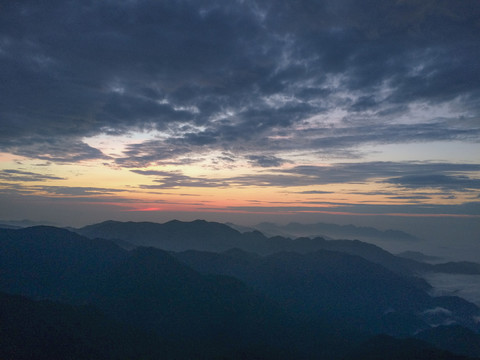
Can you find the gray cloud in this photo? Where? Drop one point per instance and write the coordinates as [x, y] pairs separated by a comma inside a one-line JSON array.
[[244, 138], [314, 192], [55, 150], [446, 182], [444, 177], [387, 172], [265, 161], [19, 175], [240, 74], [410, 197], [80, 193], [153, 151], [468, 209], [169, 180], [77, 190]]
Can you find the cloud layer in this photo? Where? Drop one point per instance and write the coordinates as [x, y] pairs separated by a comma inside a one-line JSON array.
[[244, 106], [257, 79]]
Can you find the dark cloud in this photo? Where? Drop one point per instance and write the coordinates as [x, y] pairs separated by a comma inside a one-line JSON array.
[[77, 190], [387, 172], [31, 196], [410, 197], [150, 152], [20, 176], [370, 133], [73, 194], [327, 140], [54, 150], [446, 182], [314, 192], [170, 180], [444, 177], [238, 73], [265, 161], [363, 171], [468, 209]]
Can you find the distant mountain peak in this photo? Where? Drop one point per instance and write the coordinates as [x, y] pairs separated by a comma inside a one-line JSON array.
[[336, 231]]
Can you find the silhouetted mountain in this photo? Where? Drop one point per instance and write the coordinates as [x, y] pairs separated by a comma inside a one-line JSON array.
[[211, 236], [47, 262], [333, 231], [31, 330], [418, 256], [234, 304], [385, 347], [154, 290], [454, 338], [374, 254], [335, 286], [461, 267], [6, 226], [207, 316], [420, 263], [447, 310], [174, 235]]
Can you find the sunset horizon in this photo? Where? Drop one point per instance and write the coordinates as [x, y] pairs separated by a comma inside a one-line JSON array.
[[243, 112]]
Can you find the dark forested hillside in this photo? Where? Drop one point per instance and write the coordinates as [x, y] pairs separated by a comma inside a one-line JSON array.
[[48, 262], [203, 316], [34, 330], [385, 347], [211, 236], [454, 338], [174, 235], [90, 294], [337, 286]]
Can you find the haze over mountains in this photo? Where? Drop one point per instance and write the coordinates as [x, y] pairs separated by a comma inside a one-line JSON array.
[[211, 236], [204, 290], [334, 231], [340, 139]]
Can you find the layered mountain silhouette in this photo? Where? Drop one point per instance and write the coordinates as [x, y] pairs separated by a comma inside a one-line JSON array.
[[211, 236], [174, 235], [418, 256], [333, 231], [460, 267], [454, 338], [313, 298], [51, 330], [338, 286], [45, 262], [204, 316]]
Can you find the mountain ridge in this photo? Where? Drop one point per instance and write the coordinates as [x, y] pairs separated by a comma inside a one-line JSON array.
[[279, 306], [212, 236]]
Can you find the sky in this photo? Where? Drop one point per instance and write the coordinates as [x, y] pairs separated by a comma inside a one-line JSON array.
[[345, 111]]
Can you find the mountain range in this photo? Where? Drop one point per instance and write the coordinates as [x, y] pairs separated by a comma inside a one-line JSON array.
[[211, 236], [335, 231], [206, 291]]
